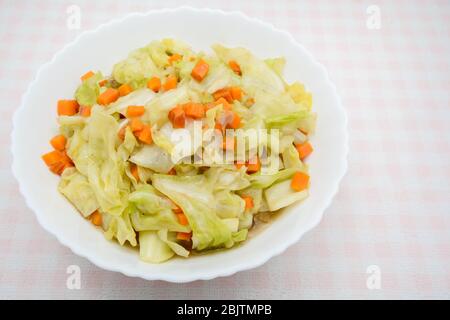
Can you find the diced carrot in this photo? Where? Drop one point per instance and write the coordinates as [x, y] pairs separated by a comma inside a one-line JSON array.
[[194, 110], [87, 75], [239, 165], [85, 111], [57, 168], [177, 117], [96, 218], [223, 93], [235, 122], [57, 161], [304, 149], [249, 102], [224, 103], [254, 166], [182, 219], [145, 135], [171, 83], [235, 67], [136, 125], [134, 171], [121, 133], [200, 70], [177, 209], [299, 181], [175, 57], [125, 89], [135, 111], [109, 96], [58, 142], [154, 84], [236, 93], [102, 83], [248, 202], [184, 236], [68, 165], [67, 107], [52, 157], [172, 172], [66, 159], [228, 143]]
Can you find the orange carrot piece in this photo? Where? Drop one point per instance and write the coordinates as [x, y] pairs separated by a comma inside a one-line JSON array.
[[172, 172], [236, 93], [235, 122], [223, 93], [248, 202], [96, 218], [200, 70], [175, 57], [67, 107], [87, 75], [85, 111], [57, 168], [52, 157], [57, 161], [177, 209], [125, 89], [254, 166], [134, 171], [177, 117], [239, 165], [135, 111], [66, 159], [194, 110], [235, 67], [304, 149], [58, 142], [102, 83], [182, 219], [136, 125], [184, 236], [145, 135], [224, 103], [171, 83], [154, 84], [109, 96], [299, 181]]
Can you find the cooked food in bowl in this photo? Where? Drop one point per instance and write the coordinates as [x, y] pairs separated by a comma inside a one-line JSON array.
[[178, 151]]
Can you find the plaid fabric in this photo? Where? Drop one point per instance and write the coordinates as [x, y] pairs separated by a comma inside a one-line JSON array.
[[393, 207]]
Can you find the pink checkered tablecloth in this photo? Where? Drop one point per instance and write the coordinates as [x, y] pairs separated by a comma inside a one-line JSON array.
[[391, 217]]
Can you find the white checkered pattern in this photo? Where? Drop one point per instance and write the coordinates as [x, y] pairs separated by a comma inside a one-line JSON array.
[[393, 207]]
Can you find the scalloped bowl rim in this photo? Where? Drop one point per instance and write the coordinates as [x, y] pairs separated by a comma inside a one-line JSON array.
[[225, 271]]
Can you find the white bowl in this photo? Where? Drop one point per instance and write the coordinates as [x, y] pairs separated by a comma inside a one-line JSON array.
[[35, 123]]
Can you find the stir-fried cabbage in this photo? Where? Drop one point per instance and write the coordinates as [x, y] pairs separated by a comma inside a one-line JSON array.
[[172, 176]]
